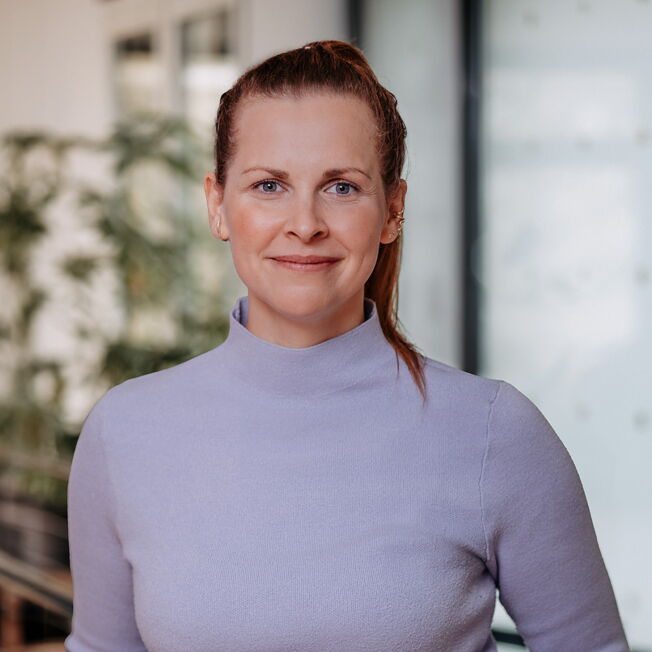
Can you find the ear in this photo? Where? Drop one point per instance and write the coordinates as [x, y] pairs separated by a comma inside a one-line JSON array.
[[395, 204], [215, 202]]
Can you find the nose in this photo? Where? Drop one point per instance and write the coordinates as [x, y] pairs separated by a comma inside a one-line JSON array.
[[305, 219]]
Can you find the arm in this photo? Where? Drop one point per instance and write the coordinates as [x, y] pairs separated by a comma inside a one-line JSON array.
[[103, 610], [542, 549]]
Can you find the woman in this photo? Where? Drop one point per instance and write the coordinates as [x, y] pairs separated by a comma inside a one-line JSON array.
[[313, 482]]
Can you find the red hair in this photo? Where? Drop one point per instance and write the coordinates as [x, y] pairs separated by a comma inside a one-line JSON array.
[[338, 67]]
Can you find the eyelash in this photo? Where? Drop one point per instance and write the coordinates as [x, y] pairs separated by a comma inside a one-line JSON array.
[[339, 181]]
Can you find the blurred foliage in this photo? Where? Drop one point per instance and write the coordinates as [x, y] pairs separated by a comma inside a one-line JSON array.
[[153, 271]]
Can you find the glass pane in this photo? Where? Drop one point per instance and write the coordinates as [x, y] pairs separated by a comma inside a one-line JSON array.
[[566, 243], [208, 65], [138, 75]]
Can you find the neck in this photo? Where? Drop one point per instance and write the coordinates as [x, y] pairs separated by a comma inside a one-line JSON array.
[[302, 332], [353, 357]]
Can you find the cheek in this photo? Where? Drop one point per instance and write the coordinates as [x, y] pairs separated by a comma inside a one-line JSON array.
[[361, 233], [250, 227]]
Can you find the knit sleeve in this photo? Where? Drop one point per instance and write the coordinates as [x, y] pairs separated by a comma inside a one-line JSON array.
[[103, 609], [542, 548]]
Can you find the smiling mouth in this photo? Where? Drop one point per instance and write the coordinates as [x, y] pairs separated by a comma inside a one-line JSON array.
[[306, 267]]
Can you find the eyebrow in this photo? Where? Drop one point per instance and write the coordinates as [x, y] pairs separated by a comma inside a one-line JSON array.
[[282, 174]]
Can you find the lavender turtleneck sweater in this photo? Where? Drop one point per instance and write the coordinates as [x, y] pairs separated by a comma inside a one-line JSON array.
[[263, 498]]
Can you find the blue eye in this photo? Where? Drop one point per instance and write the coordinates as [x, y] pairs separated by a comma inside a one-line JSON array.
[[345, 185], [266, 184]]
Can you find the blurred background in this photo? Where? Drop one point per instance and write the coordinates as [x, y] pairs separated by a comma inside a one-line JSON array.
[[527, 242]]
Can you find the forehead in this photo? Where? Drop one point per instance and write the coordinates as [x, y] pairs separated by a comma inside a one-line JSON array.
[[325, 128]]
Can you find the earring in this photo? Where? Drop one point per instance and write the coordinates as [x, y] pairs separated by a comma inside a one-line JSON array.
[[401, 220]]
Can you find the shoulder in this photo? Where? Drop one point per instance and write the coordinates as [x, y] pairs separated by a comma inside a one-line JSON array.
[[158, 397], [459, 386], [507, 419], [516, 422], [182, 378], [500, 397]]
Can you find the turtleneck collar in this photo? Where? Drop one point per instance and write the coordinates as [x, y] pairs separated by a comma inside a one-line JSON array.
[[331, 365]]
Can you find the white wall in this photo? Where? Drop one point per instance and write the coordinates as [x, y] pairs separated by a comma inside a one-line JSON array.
[[270, 27], [53, 66]]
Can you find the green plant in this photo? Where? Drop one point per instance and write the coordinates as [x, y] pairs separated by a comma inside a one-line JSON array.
[[149, 242]]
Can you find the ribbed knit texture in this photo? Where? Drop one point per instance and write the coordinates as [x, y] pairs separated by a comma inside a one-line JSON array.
[[263, 498]]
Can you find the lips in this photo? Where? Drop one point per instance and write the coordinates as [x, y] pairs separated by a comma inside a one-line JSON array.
[[306, 260]]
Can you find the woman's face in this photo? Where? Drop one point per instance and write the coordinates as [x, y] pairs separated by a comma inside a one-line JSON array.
[[304, 180]]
